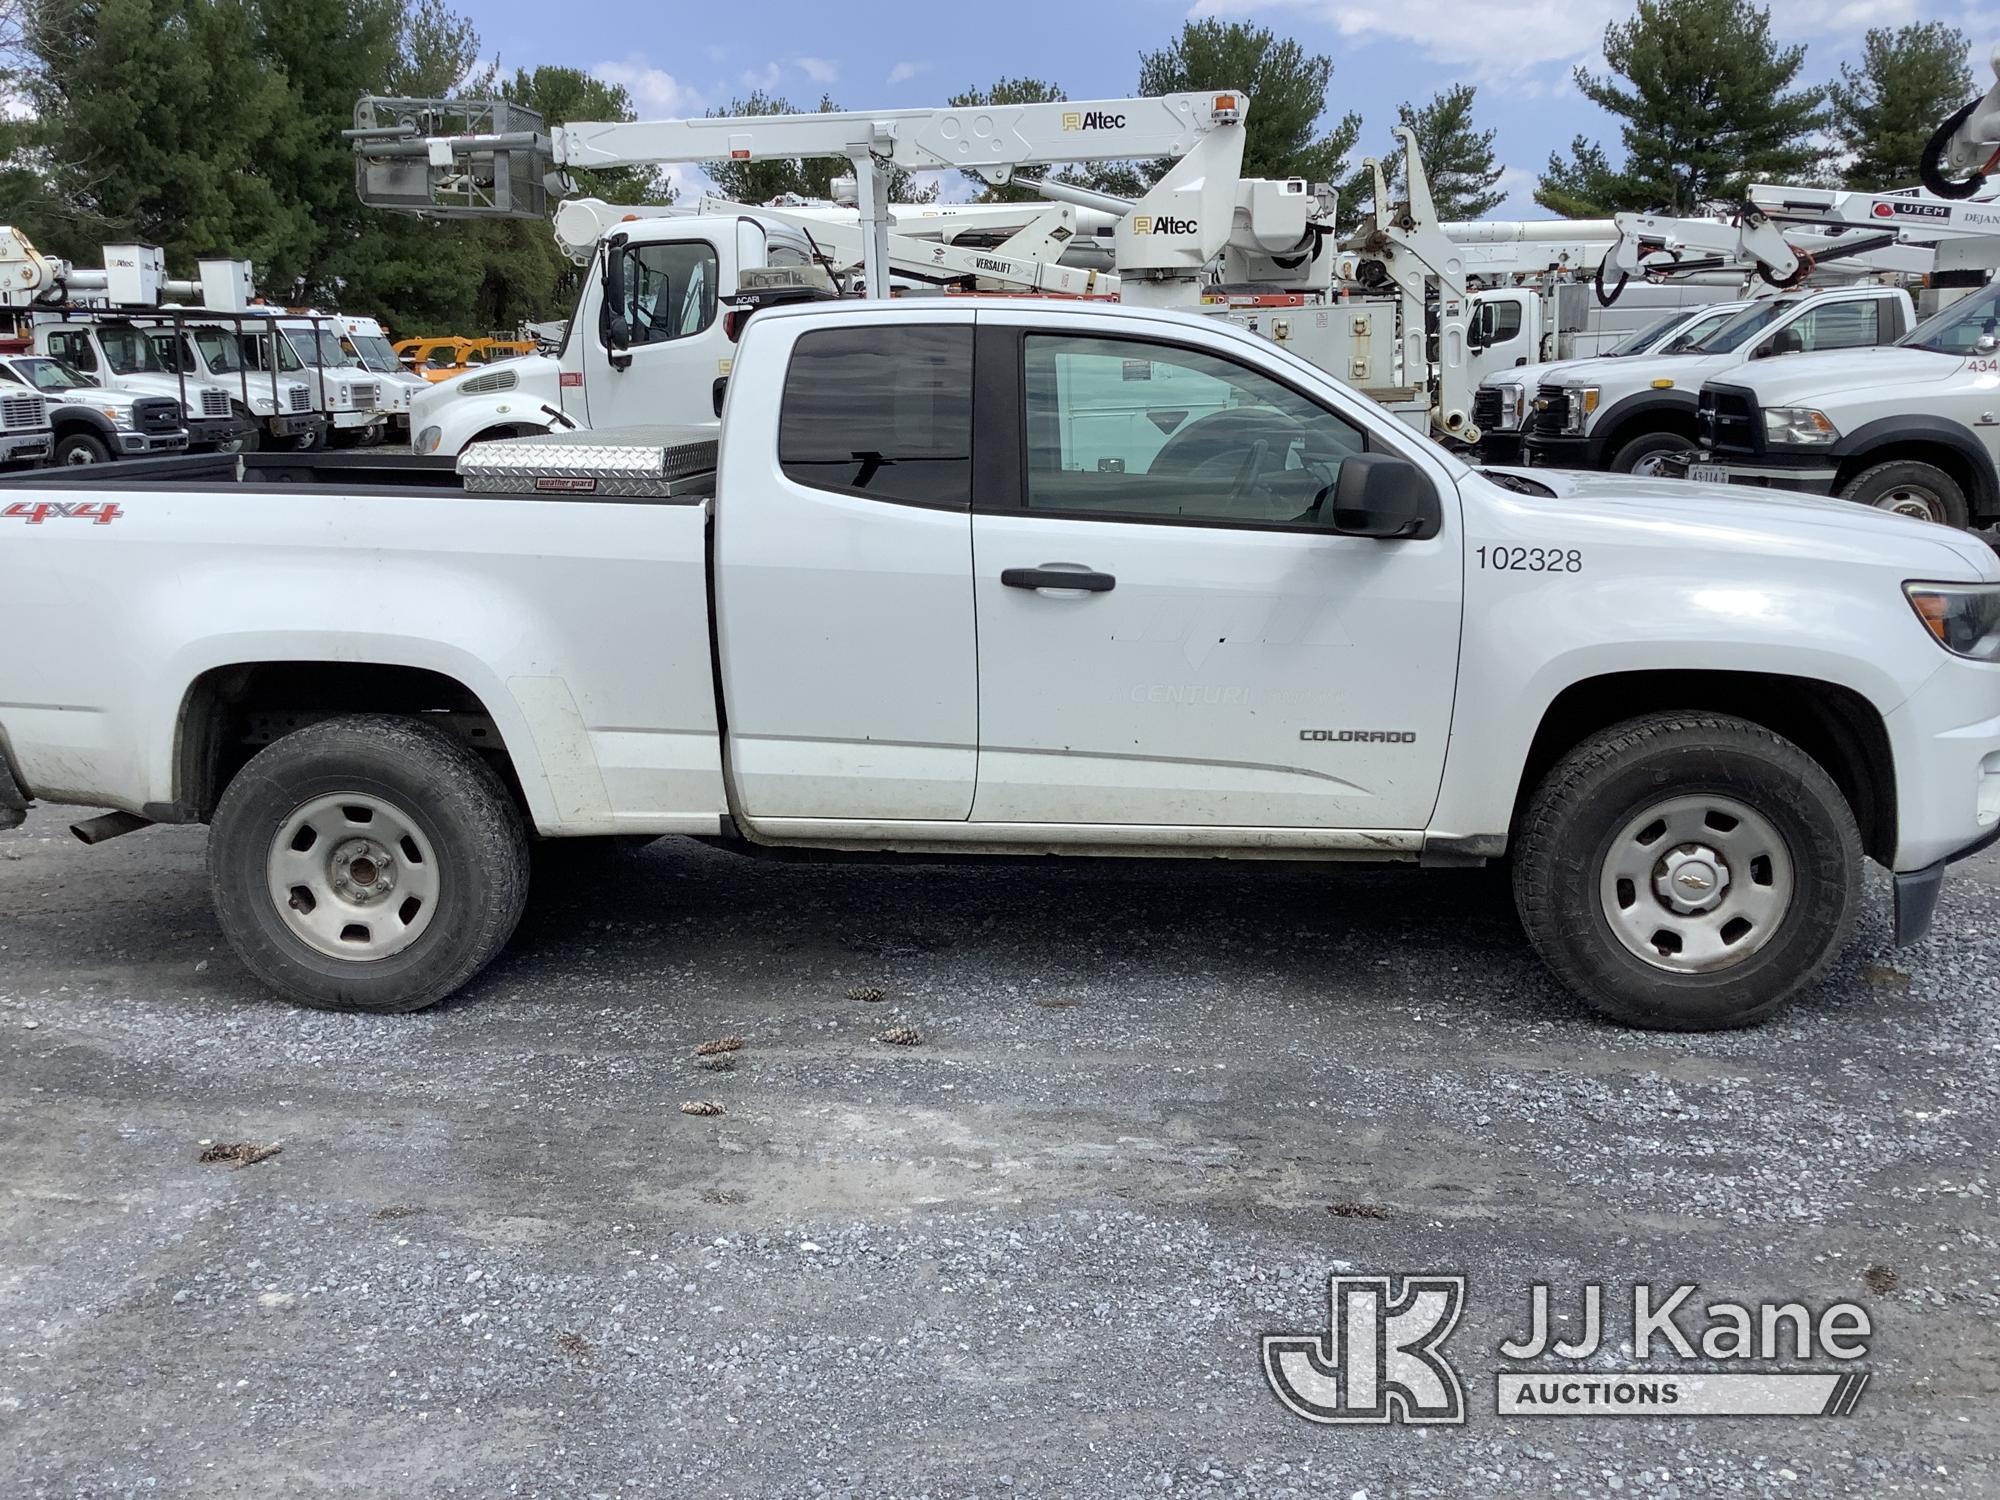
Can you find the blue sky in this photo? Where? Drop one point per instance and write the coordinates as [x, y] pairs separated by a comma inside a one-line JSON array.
[[683, 59]]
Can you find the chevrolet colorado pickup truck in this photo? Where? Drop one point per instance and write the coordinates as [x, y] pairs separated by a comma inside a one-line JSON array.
[[1011, 578], [1637, 416], [1914, 428]]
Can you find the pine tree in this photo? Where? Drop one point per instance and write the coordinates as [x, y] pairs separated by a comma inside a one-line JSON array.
[[1708, 106], [1884, 110], [1457, 158], [757, 182], [1583, 187]]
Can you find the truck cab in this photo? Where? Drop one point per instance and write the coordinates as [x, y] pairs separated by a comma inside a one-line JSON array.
[[26, 437], [651, 340], [283, 409], [1504, 400], [1913, 429], [1637, 415], [90, 424], [367, 343], [121, 357]]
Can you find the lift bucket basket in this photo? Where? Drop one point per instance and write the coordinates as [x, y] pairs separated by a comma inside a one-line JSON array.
[[452, 158]]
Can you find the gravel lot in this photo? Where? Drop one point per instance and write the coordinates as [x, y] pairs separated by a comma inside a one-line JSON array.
[[1031, 1255]]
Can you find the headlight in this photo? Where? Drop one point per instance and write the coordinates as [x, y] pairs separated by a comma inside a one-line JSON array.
[[117, 417], [1965, 617], [1513, 406], [1797, 426], [1582, 402], [428, 439]]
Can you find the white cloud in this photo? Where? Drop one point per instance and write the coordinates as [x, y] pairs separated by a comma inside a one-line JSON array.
[[765, 78], [656, 93], [903, 72], [819, 69]]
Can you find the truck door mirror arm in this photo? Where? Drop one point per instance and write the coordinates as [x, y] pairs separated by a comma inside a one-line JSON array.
[[1382, 496]]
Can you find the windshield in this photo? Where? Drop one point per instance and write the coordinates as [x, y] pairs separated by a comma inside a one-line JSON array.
[[129, 351], [375, 352], [324, 352], [1695, 332], [1739, 328], [220, 350], [52, 375], [1959, 328], [1645, 338]]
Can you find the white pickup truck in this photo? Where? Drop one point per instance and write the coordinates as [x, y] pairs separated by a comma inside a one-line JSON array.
[[955, 580]]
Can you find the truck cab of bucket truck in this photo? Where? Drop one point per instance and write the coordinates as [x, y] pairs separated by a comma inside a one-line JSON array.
[[121, 356]]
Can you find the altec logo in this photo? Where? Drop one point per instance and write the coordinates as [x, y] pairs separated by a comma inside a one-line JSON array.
[[1161, 224], [1092, 119]]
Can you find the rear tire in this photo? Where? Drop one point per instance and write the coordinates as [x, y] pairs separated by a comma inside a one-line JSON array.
[[1909, 488], [367, 863], [1688, 872]]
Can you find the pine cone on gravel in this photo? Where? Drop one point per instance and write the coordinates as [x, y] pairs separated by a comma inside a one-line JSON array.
[[869, 992], [899, 1036], [720, 1044], [701, 1107]]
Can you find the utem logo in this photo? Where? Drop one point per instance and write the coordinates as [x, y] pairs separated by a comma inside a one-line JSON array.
[[1092, 119], [1161, 224], [1378, 1361]]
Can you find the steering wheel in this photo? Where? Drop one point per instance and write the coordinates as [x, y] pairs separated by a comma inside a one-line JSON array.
[[1244, 448]]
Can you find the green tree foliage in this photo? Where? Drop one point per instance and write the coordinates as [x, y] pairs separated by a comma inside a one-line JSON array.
[[756, 182], [1583, 186], [1008, 91], [1884, 110], [1287, 88], [1458, 159], [1707, 106]]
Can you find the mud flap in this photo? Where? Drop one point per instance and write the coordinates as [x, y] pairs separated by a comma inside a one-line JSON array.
[[1916, 900]]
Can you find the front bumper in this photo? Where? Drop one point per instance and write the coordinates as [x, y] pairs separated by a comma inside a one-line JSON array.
[[348, 421], [209, 431], [1917, 891], [1502, 448], [153, 442], [293, 424], [1945, 743], [26, 447], [1809, 473], [1539, 452]]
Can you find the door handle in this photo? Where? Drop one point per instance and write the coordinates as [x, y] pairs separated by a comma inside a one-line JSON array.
[[1055, 577]]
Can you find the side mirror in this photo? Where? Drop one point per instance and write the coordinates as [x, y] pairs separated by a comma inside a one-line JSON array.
[[612, 328], [1383, 496]]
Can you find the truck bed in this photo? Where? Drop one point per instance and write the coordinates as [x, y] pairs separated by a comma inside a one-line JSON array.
[[319, 469]]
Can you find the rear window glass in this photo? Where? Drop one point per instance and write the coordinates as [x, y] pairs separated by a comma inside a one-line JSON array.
[[881, 411]]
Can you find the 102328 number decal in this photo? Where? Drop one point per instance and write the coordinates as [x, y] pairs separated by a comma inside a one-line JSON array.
[[1531, 559]]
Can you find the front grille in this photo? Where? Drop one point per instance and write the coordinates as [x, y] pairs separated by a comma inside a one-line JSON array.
[[1726, 420], [365, 396], [1551, 410], [1486, 408], [215, 403], [17, 412], [156, 414], [299, 398]]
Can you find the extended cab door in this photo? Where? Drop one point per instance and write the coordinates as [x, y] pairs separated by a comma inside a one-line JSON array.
[[843, 570], [1223, 659]]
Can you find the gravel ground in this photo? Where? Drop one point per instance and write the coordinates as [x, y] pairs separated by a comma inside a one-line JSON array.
[[1031, 1255]]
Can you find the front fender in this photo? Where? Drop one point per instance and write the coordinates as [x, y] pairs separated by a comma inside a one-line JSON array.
[[1670, 407], [461, 420]]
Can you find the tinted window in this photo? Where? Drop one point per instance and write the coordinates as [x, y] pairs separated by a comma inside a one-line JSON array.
[[1497, 322], [881, 411], [1692, 335], [1149, 432], [1838, 325], [74, 347], [1957, 329]]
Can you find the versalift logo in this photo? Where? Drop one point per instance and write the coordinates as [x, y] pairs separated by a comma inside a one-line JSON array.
[[1092, 119], [1161, 224]]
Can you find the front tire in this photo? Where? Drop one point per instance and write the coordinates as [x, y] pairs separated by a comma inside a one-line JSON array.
[[1910, 488], [367, 863], [82, 448], [1688, 872], [1642, 456]]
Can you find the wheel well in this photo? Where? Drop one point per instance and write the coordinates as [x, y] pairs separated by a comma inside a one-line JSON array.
[[233, 712], [1834, 725], [1938, 455], [510, 430]]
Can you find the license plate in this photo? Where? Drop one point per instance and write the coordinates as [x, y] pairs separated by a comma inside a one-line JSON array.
[[1708, 473]]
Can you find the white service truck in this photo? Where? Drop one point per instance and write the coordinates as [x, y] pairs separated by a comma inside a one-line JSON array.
[[89, 424], [1285, 628], [120, 355], [1914, 428], [1637, 415], [285, 410]]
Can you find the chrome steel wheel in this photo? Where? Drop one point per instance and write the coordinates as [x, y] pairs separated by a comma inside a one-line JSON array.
[[353, 877], [79, 455], [1915, 500], [1653, 465], [1694, 884]]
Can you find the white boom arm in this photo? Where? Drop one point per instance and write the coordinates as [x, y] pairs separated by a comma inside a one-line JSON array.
[[1966, 146]]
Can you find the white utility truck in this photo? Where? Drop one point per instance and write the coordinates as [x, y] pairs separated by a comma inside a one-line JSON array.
[[366, 342], [26, 436], [90, 424], [287, 412], [1287, 628], [1914, 428], [1637, 415], [351, 395], [120, 354]]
